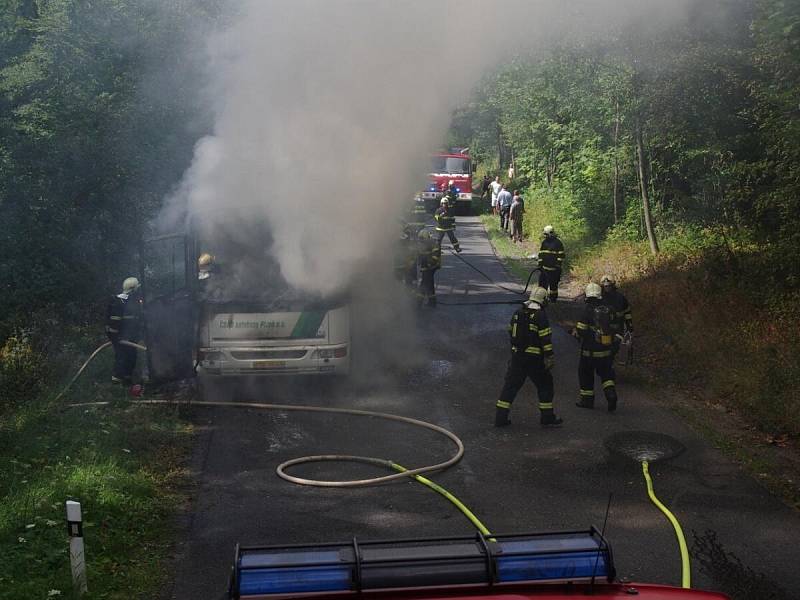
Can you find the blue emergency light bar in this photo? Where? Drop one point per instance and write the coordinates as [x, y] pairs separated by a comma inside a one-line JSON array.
[[573, 556]]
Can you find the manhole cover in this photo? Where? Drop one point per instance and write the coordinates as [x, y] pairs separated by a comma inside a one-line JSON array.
[[643, 446]]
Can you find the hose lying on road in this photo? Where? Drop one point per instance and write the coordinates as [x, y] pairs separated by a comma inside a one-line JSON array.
[[403, 472], [90, 359], [524, 292], [686, 573]]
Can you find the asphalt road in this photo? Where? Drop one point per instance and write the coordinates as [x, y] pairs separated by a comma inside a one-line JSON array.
[[446, 365]]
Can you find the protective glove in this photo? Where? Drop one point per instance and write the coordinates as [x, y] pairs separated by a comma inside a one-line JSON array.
[[549, 362]]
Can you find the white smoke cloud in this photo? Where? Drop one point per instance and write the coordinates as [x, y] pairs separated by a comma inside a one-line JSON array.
[[327, 110]]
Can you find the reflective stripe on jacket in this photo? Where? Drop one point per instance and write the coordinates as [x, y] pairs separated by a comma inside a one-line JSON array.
[[444, 221], [530, 332], [551, 253], [430, 255]]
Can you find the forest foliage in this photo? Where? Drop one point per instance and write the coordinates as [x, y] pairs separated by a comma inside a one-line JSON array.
[[716, 98], [100, 107], [703, 116]]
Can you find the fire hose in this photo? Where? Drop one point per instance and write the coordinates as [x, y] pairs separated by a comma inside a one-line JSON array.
[[90, 359], [524, 292], [402, 472]]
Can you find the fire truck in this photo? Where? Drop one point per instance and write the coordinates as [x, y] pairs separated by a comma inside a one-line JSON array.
[[455, 166], [539, 566]]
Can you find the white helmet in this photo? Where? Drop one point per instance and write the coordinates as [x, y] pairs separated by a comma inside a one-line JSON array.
[[130, 285], [548, 230], [593, 290], [608, 280], [444, 200], [538, 296]]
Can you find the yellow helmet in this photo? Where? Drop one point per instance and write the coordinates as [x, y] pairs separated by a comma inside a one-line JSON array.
[[593, 290], [538, 295], [548, 230], [205, 259], [130, 285]]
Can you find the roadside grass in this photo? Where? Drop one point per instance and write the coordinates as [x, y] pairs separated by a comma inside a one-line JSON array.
[[700, 327], [540, 209], [122, 462], [704, 334]]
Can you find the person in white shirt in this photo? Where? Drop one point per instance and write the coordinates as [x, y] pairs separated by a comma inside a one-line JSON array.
[[496, 187]]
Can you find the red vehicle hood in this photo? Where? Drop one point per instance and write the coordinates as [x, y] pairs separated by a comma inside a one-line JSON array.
[[600, 591]]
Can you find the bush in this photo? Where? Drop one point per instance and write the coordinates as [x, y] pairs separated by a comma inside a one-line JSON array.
[[22, 370]]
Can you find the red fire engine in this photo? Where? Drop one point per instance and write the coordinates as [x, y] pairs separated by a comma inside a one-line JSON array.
[[541, 566], [455, 166]]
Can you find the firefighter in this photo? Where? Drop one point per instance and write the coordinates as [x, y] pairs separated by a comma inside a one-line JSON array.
[[595, 330], [417, 217], [206, 265], [430, 259], [123, 323], [531, 357], [551, 260], [452, 192], [405, 266], [446, 224], [623, 319]]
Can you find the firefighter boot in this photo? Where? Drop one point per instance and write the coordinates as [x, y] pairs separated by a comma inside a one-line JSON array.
[[501, 414], [549, 419], [586, 401], [611, 398]]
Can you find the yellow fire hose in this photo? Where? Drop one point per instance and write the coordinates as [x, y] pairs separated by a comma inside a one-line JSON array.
[[403, 472], [686, 573], [281, 469], [439, 489]]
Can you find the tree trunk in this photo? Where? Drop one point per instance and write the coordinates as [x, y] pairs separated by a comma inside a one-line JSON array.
[[644, 185], [616, 165]]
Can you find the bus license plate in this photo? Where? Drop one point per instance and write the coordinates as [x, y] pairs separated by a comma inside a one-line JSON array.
[[269, 364]]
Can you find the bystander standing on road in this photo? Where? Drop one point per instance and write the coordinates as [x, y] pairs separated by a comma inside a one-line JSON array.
[[515, 214], [496, 187], [504, 206]]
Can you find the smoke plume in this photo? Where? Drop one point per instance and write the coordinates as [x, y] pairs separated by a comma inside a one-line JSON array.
[[327, 110]]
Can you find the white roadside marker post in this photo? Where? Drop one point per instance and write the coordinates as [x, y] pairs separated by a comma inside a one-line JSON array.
[[77, 559]]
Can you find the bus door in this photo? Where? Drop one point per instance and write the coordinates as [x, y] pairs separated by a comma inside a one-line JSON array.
[[170, 313]]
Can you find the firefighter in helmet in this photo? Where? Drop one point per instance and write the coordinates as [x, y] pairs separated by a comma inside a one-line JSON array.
[[531, 357], [123, 324], [622, 324], [405, 258], [417, 217], [446, 224], [452, 192], [595, 330], [205, 265], [551, 260], [430, 260]]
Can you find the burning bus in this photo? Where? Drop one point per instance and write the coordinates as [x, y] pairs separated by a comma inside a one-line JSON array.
[[217, 303]]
